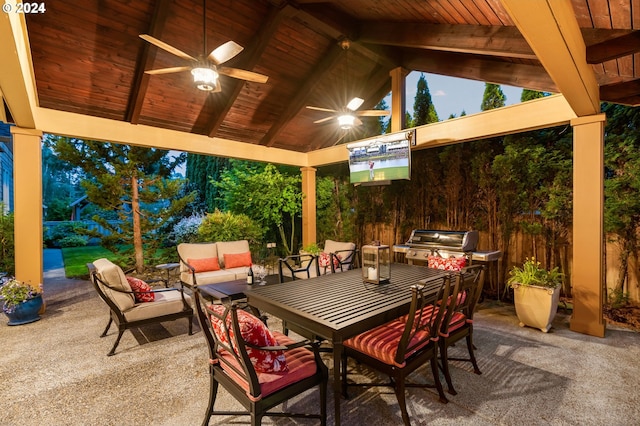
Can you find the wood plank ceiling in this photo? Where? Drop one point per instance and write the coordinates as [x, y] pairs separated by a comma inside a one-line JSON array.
[[88, 58]]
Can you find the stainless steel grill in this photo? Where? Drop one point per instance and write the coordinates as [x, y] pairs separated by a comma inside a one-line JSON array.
[[424, 242]]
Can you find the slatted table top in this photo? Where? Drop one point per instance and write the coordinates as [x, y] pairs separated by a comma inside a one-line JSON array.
[[337, 306]]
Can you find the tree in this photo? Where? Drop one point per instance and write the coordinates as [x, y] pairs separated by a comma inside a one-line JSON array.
[[200, 171], [60, 182], [493, 97], [271, 198], [7, 248], [133, 181], [424, 111]]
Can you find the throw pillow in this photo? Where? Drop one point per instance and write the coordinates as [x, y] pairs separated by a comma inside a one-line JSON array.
[[205, 265], [254, 331], [448, 264], [137, 285], [236, 260], [324, 260]]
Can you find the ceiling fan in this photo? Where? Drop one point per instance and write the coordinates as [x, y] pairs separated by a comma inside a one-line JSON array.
[[348, 116], [206, 68]]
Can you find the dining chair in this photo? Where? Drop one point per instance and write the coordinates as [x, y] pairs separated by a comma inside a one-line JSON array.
[[399, 347], [260, 368], [298, 266], [459, 322]]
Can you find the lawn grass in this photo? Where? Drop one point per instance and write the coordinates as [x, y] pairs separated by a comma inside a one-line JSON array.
[[76, 259]]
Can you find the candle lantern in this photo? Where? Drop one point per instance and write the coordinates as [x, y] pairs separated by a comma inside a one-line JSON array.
[[376, 266]]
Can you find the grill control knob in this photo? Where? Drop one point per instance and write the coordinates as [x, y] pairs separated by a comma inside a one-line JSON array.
[[413, 253], [425, 254]]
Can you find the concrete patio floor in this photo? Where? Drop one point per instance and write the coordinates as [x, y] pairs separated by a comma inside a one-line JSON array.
[[56, 372]]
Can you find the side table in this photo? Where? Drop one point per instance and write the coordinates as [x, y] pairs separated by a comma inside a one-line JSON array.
[[167, 267]]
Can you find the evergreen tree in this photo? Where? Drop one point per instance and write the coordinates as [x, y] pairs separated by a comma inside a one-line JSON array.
[[200, 171], [493, 97], [424, 111], [133, 181]]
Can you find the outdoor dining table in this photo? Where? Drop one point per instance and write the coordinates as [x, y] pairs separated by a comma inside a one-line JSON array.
[[339, 306]]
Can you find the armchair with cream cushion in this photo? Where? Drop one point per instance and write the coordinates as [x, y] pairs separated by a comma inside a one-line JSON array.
[[167, 304]]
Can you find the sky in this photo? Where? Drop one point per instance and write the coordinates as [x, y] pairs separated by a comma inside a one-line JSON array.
[[452, 95]]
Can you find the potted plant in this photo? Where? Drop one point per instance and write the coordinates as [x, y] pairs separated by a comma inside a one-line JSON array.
[[536, 293], [21, 301]]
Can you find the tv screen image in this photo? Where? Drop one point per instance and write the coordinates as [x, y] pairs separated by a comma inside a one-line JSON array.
[[380, 160]]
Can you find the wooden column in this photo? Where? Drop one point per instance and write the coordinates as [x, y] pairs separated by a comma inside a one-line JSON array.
[[588, 225], [398, 99], [308, 205], [27, 189]]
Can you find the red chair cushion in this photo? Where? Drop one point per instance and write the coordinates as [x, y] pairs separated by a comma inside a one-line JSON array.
[[236, 260], [205, 265], [382, 342], [300, 365], [458, 320], [137, 284], [448, 264], [255, 332]]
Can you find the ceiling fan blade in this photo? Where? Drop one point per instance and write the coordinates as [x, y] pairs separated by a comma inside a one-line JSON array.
[[357, 121], [355, 103], [243, 74], [322, 120], [225, 51], [373, 113], [167, 70], [164, 46], [321, 109]]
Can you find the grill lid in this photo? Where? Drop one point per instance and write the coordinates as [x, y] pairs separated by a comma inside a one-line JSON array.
[[433, 239]]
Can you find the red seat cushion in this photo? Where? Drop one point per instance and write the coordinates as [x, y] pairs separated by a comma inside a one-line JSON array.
[[300, 365], [255, 332], [137, 284], [458, 319], [382, 342]]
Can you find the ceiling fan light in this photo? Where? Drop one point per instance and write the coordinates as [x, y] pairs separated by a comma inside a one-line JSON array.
[[204, 78], [346, 121]]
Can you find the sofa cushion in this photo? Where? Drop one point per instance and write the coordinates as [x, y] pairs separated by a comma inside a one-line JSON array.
[[331, 246], [237, 260], [196, 251], [138, 285], [230, 247], [209, 277], [255, 332], [204, 265], [165, 303], [113, 275]]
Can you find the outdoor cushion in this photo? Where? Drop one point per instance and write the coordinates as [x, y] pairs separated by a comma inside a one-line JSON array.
[[324, 260], [209, 277], [331, 246], [230, 247], [382, 342], [205, 265], [300, 365], [165, 303], [196, 251], [138, 285], [255, 332], [236, 260], [446, 263], [113, 275]]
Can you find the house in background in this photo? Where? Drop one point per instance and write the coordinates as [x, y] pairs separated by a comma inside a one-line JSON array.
[[6, 167]]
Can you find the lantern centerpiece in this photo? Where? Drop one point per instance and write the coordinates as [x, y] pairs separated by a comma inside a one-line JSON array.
[[376, 266]]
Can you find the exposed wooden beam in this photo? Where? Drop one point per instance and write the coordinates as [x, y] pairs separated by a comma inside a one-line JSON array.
[[478, 39], [145, 60], [221, 103], [614, 48], [329, 60], [551, 29], [474, 67], [625, 90]]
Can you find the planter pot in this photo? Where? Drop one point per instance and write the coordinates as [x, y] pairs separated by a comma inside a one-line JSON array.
[[536, 306], [26, 312]]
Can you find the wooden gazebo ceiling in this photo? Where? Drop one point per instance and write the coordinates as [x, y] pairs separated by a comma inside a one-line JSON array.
[[88, 58]]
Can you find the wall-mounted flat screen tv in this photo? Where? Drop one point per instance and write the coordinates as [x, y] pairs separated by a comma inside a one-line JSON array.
[[381, 159]]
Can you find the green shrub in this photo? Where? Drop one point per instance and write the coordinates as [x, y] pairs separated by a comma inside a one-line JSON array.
[[63, 230], [219, 226], [73, 241], [618, 298], [7, 250]]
